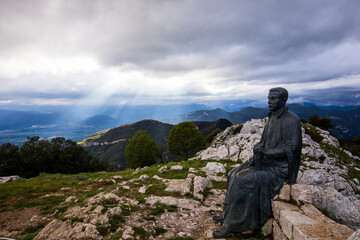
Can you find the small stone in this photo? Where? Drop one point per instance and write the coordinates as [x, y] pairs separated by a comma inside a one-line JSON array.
[[191, 175], [177, 167], [143, 189], [70, 199], [157, 177], [143, 177], [192, 170], [267, 228], [285, 193], [163, 169], [118, 177]]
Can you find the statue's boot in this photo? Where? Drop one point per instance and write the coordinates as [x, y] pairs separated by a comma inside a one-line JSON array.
[[218, 218], [223, 232]]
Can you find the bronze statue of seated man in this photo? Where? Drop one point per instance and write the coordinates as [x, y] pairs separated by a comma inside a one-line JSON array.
[[276, 160]]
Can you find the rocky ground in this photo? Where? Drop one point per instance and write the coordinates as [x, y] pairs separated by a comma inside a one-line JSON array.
[[176, 200]]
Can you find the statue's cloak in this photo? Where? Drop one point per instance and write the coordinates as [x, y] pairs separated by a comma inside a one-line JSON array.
[[251, 186]]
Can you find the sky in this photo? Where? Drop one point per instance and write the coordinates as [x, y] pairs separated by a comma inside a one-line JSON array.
[[62, 52]]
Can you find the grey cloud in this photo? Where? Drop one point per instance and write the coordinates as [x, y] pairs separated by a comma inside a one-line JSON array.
[[281, 42]]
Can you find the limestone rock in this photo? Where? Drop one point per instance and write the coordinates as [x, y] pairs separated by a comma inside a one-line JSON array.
[[143, 177], [177, 167], [214, 168], [302, 193], [343, 209], [9, 179], [118, 177], [200, 184], [179, 202], [192, 170], [278, 206], [163, 169], [267, 228], [179, 185], [321, 231], [157, 177], [143, 189], [57, 230], [289, 219], [128, 233], [355, 235], [100, 197], [277, 233], [285, 193], [70, 199]]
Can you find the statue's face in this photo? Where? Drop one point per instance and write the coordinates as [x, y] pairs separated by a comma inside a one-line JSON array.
[[275, 101]]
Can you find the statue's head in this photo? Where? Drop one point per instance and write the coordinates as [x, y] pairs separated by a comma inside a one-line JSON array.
[[277, 98]]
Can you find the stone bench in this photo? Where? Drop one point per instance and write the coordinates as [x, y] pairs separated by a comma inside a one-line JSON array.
[[296, 219]]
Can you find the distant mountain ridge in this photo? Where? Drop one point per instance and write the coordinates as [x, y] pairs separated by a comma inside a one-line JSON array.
[[347, 121], [109, 145]]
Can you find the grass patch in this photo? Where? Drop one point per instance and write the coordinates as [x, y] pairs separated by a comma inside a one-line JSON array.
[[219, 185], [30, 236], [159, 231], [141, 232], [102, 230], [33, 229], [115, 222], [313, 133], [45, 203]]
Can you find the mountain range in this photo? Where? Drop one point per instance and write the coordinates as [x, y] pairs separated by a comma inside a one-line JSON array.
[[78, 123], [346, 121]]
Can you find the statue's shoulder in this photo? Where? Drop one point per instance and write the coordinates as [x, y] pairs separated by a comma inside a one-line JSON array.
[[290, 116]]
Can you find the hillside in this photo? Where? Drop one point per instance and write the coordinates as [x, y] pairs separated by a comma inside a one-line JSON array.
[[347, 120], [109, 145], [176, 200]]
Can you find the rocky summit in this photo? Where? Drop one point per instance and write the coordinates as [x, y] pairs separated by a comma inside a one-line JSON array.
[[177, 199]]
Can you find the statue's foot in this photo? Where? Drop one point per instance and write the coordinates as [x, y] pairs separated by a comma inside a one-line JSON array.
[[223, 232], [218, 218]]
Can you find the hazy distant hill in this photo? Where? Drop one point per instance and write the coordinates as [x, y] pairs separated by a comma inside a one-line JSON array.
[[347, 121], [109, 145], [10, 119]]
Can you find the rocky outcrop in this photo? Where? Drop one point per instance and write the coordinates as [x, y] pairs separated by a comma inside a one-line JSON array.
[[235, 143]]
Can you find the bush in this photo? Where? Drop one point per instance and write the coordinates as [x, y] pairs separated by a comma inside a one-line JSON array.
[[183, 138], [35, 156], [323, 123], [141, 150]]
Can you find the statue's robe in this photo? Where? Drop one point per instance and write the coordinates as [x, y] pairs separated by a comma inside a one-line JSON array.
[[251, 186]]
